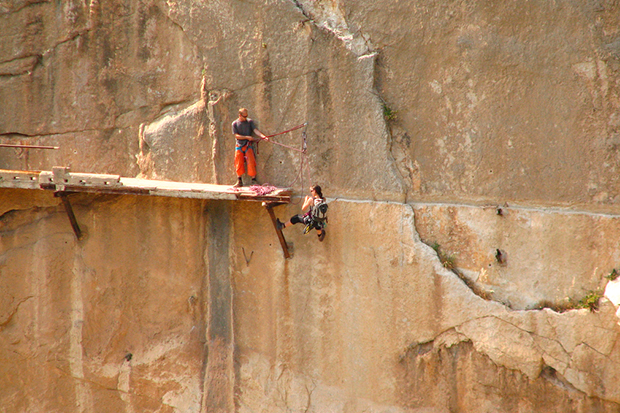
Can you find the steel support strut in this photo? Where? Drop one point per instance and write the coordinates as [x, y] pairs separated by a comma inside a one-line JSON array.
[[269, 206], [70, 214]]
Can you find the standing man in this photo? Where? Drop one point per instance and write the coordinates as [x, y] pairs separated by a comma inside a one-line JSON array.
[[243, 128]]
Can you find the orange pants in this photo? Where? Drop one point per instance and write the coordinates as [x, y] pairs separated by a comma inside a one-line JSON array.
[[246, 153]]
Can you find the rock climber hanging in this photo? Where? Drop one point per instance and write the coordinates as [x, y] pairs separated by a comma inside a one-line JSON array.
[[315, 217]]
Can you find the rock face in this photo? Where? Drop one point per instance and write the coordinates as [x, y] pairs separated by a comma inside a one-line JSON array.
[[470, 154]]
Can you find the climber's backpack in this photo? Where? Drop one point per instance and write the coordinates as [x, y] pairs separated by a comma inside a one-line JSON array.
[[319, 212]]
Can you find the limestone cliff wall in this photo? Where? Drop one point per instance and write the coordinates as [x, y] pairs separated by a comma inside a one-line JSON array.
[[486, 130]]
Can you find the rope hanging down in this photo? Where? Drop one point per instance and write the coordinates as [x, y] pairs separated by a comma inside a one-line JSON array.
[[304, 147]]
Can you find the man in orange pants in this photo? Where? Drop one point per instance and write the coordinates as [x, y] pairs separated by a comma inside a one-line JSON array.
[[243, 128]]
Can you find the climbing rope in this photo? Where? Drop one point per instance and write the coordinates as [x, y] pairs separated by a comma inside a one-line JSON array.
[[259, 190], [266, 138], [304, 165], [263, 189], [304, 160]]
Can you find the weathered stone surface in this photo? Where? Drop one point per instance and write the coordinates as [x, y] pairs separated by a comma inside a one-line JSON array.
[[173, 149], [488, 104], [315, 325], [331, 337], [504, 102], [69, 321], [296, 73], [101, 69], [458, 378], [548, 255]]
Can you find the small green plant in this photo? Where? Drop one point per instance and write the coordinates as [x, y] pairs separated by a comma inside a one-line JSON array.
[[388, 113], [559, 307], [447, 260], [590, 300], [613, 275]]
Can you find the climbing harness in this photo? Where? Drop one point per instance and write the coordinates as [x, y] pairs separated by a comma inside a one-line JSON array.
[[244, 149]]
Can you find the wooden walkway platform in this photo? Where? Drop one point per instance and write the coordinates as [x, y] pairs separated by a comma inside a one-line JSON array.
[[65, 183], [61, 180]]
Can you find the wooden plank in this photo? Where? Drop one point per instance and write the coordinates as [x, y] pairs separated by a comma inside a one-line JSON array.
[[281, 238], [61, 176], [183, 189], [60, 179], [19, 179]]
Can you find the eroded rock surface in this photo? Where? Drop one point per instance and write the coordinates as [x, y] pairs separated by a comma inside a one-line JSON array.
[[487, 130]]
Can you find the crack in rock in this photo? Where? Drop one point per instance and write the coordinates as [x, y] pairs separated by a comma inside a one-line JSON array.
[[330, 18], [6, 9], [7, 321], [20, 65], [451, 337]]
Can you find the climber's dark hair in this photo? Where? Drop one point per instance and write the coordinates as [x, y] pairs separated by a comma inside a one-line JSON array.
[[319, 192]]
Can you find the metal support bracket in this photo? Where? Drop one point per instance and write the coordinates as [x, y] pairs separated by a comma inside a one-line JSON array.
[[269, 206], [65, 201]]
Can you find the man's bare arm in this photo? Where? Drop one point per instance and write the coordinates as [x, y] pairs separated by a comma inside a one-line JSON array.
[[261, 134], [243, 137], [251, 138]]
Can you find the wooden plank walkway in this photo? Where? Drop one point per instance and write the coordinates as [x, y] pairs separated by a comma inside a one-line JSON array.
[[64, 183], [61, 180]]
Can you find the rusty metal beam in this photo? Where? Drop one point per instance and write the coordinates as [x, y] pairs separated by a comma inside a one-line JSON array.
[[70, 214], [284, 199], [74, 189], [269, 206], [11, 145]]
